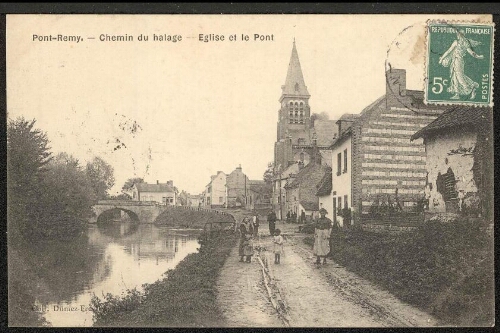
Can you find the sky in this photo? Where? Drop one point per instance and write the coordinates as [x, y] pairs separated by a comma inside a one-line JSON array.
[[183, 111]]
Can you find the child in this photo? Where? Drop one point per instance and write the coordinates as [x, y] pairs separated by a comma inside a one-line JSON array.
[[278, 246], [248, 248]]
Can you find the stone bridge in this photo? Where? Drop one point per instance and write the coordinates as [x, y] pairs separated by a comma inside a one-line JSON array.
[[139, 211]]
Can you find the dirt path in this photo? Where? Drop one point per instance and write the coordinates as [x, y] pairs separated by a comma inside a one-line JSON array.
[[241, 293], [329, 296]]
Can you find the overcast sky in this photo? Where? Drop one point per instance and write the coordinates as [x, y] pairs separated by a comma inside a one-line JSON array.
[[200, 107]]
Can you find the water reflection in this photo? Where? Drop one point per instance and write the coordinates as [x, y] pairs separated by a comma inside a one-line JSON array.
[[116, 257]]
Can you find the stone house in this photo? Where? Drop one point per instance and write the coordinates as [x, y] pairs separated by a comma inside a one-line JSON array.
[[373, 160], [237, 185], [161, 193], [302, 188], [216, 194], [258, 195], [459, 146]]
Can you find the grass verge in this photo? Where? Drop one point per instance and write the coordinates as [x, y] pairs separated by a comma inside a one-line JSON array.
[[444, 269], [187, 218], [185, 298]]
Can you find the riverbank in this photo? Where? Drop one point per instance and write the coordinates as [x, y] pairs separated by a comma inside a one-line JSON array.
[[444, 269], [185, 298], [191, 218]]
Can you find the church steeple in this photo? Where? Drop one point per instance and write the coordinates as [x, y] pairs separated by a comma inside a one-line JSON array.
[[294, 84]]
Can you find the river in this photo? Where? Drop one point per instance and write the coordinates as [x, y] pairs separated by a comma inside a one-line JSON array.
[[110, 258]]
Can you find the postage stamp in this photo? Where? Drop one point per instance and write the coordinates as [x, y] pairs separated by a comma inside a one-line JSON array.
[[459, 63]]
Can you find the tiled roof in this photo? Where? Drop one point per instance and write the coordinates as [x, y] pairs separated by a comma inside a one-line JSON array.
[[307, 205], [349, 116], [325, 185], [458, 116], [145, 187], [325, 131]]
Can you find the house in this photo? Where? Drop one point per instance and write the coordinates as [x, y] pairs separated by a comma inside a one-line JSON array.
[[194, 200], [161, 193], [324, 193], [459, 164], [258, 195], [373, 159], [279, 192], [215, 194], [237, 184], [301, 189]]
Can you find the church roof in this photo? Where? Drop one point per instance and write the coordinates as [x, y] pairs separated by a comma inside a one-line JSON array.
[[294, 83]]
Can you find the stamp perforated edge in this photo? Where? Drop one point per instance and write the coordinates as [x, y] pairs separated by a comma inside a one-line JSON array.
[[426, 76]]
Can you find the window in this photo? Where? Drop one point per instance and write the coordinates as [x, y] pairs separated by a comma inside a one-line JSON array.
[[221, 199], [345, 160], [164, 200], [339, 164], [301, 141], [296, 87], [346, 203], [339, 203]]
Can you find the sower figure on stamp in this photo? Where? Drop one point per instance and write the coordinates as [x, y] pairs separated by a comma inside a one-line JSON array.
[[460, 84], [322, 237]]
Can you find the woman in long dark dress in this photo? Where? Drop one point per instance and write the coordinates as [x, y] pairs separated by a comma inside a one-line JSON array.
[[245, 230]]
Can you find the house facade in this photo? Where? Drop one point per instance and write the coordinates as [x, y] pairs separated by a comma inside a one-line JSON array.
[[459, 162], [384, 166], [217, 190], [161, 193], [237, 185], [301, 190], [259, 195]]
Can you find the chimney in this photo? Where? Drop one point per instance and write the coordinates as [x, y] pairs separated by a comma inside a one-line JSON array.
[[395, 82], [170, 183], [239, 167], [157, 182]]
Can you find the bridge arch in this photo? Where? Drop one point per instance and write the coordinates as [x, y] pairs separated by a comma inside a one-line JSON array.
[[133, 216]]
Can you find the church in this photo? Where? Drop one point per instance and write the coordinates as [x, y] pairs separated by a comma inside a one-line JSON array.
[[302, 139], [299, 133]]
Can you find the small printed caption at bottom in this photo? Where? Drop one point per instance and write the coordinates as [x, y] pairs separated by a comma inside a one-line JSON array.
[[174, 38]]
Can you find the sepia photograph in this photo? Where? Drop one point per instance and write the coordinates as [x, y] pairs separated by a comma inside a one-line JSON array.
[[250, 171]]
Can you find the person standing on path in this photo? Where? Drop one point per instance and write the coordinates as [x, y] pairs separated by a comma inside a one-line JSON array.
[[256, 223], [245, 231], [322, 237], [271, 219], [278, 246]]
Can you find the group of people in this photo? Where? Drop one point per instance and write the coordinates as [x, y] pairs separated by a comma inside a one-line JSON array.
[[291, 217], [323, 231], [249, 229]]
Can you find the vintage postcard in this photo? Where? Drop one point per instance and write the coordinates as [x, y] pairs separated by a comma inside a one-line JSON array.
[[250, 170]]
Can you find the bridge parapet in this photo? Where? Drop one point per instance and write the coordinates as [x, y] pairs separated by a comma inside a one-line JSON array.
[[127, 203]]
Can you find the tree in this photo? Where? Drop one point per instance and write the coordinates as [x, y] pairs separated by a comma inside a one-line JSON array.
[[67, 199], [319, 116], [269, 173], [131, 182], [28, 153], [100, 175], [121, 196]]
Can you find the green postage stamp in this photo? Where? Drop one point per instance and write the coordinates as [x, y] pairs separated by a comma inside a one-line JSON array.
[[459, 63]]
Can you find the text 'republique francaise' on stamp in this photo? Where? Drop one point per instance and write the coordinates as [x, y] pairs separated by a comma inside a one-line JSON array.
[[459, 63]]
